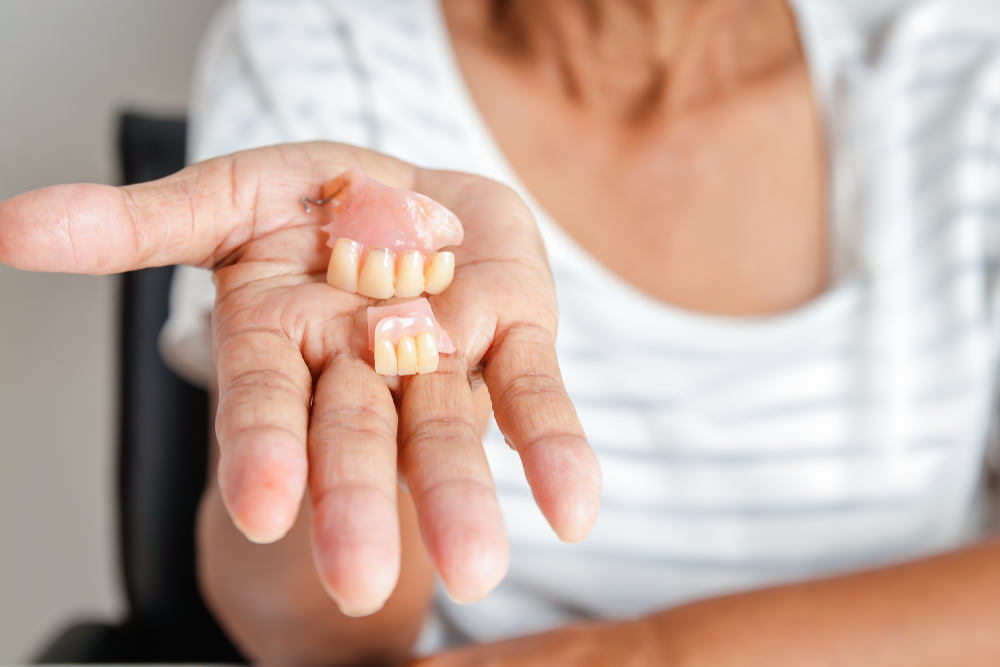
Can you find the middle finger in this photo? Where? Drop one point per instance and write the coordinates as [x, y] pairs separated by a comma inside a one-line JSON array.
[[352, 483]]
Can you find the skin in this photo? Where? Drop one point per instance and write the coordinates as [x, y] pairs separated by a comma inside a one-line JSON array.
[[712, 182], [680, 120], [661, 140], [936, 611], [301, 413]]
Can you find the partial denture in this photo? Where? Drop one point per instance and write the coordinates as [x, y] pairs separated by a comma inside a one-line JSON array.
[[386, 241], [406, 338]]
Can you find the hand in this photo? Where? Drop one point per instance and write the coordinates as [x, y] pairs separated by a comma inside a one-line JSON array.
[[299, 401], [618, 644]]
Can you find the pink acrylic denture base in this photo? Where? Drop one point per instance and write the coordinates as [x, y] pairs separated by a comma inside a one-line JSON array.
[[409, 318], [379, 216]]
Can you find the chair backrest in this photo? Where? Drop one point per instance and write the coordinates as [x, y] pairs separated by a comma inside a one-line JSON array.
[[163, 438]]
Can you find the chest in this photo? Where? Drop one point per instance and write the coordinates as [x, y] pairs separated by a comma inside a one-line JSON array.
[[720, 210]]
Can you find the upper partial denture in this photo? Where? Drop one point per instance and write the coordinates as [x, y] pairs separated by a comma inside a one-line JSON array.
[[386, 241], [406, 338]]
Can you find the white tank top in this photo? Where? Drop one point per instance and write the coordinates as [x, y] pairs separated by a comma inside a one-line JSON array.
[[736, 452]]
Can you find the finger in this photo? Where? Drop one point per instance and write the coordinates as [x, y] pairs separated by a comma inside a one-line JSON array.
[[537, 417], [264, 389], [201, 215], [441, 457], [90, 228], [352, 482]]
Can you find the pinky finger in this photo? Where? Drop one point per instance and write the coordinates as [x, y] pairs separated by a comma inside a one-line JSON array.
[[537, 417]]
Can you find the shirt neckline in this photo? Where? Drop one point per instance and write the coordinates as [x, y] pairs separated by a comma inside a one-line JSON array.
[[838, 295]]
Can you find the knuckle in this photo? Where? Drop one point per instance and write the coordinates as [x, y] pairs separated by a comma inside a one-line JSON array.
[[454, 485], [357, 419], [267, 380], [529, 387], [441, 429]]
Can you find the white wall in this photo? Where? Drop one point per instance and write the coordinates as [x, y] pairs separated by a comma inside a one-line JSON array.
[[66, 66]]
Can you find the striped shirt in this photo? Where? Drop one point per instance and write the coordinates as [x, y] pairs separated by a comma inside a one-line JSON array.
[[737, 451]]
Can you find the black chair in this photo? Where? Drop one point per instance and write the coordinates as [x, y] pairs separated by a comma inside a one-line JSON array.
[[162, 450]]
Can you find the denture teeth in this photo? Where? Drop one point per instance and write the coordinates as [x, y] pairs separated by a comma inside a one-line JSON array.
[[410, 274], [377, 274], [385, 357], [439, 272], [409, 356], [427, 353], [380, 274], [406, 356], [344, 263]]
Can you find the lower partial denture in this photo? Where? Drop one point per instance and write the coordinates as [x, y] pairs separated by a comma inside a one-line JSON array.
[[385, 357], [427, 353], [406, 339], [406, 356]]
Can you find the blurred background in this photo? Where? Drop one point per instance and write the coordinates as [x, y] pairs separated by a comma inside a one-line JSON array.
[[66, 68]]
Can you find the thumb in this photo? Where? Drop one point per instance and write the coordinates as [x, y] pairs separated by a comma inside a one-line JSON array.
[[89, 228], [200, 216]]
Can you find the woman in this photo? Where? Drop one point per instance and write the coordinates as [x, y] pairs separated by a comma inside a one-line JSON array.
[[771, 228]]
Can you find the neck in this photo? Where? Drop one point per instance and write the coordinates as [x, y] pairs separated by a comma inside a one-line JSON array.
[[632, 58]]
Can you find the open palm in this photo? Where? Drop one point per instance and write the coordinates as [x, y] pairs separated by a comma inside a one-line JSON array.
[[299, 404]]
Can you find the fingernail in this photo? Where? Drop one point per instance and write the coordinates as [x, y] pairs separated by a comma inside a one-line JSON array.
[[354, 611]]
